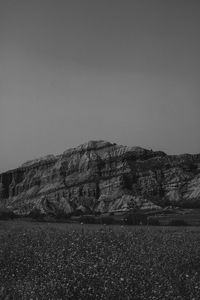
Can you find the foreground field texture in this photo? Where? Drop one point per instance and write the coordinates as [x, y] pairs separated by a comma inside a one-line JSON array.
[[49, 261]]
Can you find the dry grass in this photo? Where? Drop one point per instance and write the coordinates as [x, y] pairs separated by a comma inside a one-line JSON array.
[[65, 261]]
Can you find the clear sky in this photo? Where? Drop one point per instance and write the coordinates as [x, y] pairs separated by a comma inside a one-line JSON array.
[[126, 71]]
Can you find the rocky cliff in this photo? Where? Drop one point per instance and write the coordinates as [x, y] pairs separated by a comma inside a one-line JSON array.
[[102, 176]]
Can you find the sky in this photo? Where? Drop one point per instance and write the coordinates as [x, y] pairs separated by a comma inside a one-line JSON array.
[[125, 71]]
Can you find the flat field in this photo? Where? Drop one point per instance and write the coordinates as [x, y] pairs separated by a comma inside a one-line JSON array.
[[66, 261]]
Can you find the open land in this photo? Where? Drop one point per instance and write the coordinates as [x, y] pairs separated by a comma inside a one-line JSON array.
[[74, 261]]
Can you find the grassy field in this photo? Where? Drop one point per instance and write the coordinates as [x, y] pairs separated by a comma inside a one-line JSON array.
[[72, 261]]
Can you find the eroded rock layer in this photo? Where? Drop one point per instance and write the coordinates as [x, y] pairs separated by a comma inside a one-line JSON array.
[[102, 176]]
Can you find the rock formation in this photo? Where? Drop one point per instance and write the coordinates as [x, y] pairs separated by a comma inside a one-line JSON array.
[[102, 176]]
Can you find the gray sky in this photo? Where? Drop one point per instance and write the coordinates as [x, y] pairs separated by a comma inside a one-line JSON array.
[[126, 71]]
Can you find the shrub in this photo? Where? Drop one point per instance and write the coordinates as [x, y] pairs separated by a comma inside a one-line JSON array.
[[88, 219], [77, 213], [107, 220], [62, 215], [97, 213], [135, 219], [154, 222], [6, 213], [178, 222], [36, 214], [93, 220]]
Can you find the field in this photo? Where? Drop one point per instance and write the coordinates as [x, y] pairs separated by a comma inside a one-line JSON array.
[[66, 261]]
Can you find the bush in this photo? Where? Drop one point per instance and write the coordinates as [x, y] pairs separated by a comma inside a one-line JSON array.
[[97, 213], [6, 214], [62, 215], [77, 213], [135, 219], [107, 220], [93, 220], [36, 214], [154, 222], [178, 222], [88, 220]]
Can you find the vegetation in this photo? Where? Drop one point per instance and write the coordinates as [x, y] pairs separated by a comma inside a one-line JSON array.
[[153, 222], [135, 219], [89, 219], [6, 214], [178, 222], [64, 261], [107, 220], [36, 214]]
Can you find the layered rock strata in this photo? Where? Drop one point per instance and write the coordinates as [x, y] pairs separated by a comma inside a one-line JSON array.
[[102, 176]]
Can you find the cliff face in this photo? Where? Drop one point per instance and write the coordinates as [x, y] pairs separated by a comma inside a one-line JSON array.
[[101, 176]]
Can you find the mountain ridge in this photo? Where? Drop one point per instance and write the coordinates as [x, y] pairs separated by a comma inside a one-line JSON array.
[[102, 176]]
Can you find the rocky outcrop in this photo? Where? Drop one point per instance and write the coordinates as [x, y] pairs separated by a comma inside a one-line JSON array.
[[102, 176]]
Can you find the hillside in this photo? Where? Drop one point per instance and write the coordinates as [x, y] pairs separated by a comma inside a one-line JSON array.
[[102, 176]]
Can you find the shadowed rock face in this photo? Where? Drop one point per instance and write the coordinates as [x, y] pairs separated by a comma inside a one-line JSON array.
[[101, 176]]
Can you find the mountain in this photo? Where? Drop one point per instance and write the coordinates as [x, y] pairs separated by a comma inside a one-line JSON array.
[[102, 176]]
